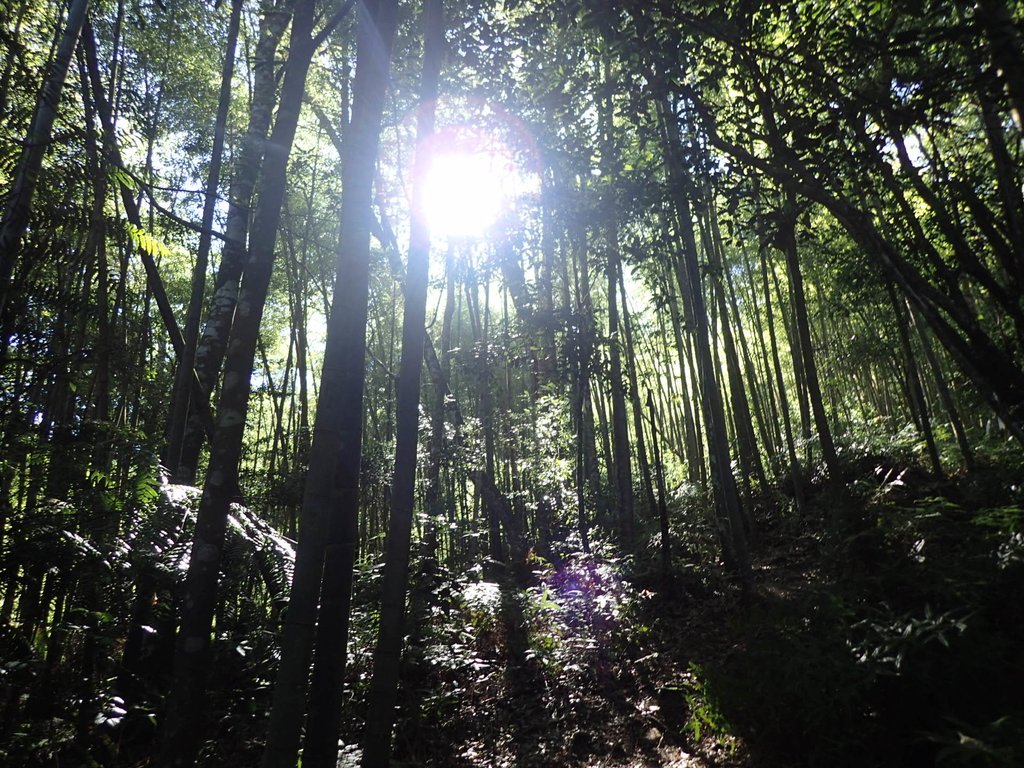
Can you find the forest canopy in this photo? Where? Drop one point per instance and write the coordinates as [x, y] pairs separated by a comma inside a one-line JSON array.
[[533, 382]]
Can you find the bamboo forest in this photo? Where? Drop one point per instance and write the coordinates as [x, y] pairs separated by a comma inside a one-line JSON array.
[[514, 383]]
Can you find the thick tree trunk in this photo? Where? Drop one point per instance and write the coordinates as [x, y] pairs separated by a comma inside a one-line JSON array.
[[328, 522], [212, 344], [387, 656], [182, 730]]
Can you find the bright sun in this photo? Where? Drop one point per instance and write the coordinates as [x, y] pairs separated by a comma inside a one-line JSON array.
[[464, 193], [470, 185]]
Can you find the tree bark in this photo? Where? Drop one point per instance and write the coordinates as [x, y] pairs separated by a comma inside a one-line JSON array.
[[187, 361], [328, 521], [729, 516], [212, 344], [387, 656], [803, 332], [621, 453], [182, 729], [19, 200]]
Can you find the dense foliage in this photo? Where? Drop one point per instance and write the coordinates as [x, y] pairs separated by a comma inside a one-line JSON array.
[[519, 383]]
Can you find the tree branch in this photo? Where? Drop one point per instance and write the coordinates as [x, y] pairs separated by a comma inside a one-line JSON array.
[[332, 23]]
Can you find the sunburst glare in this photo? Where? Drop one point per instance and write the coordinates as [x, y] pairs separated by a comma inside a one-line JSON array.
[[471, 184]]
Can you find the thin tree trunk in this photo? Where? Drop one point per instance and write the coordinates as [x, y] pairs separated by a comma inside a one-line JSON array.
[[695, 470], [433, 500], [586, 436], [669, 400], [730, 517], [154, 282], [795, 471], [915, 391], [746, 440], [723, 481], [187, 361], [19, 201], [1009, 190], [599, 403], [100, 521], [945, 396], [659, 469], [623, 473], [947, 223], [955, 324], [1004, 40], [12, 60], [750, 369], [637, 405], [485, 398], [547, 366], [773, 414], [803, 333]]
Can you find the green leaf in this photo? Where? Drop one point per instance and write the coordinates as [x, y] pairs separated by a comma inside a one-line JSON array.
[[147, 242], [119, 175]]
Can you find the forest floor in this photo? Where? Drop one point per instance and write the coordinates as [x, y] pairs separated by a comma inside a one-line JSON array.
[[893, 644], [635, 700], [650, 705]]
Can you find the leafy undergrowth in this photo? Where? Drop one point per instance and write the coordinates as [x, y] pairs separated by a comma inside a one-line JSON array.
[[885, 630], [895, 642]]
